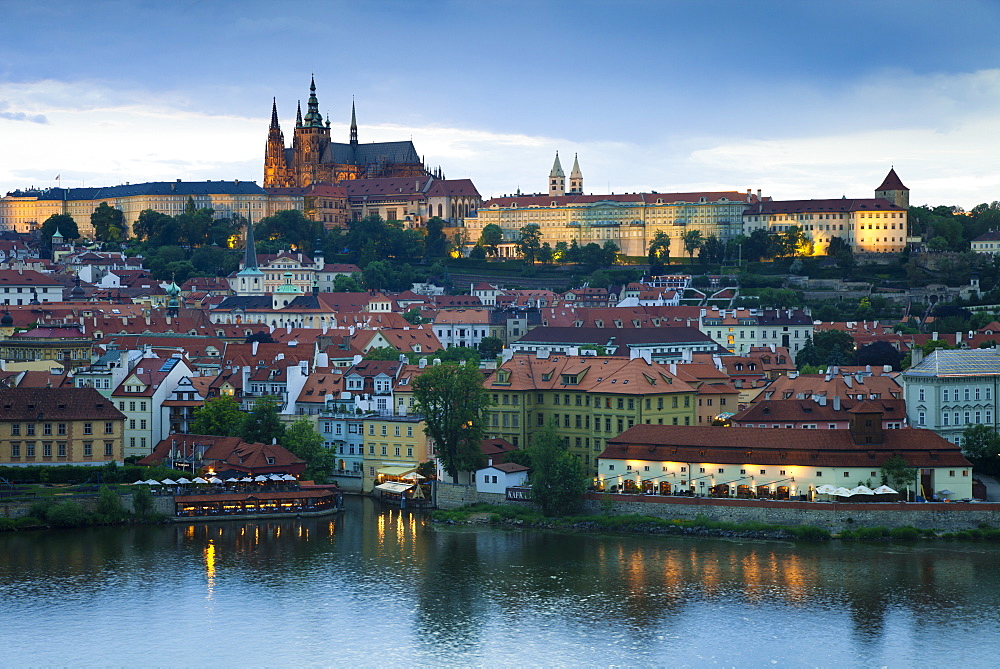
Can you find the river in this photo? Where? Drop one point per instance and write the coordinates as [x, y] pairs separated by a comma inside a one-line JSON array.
[[382, 587]]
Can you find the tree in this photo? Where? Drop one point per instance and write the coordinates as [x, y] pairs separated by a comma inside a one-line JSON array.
[[477, 252], [435, 241], [305, 442], [142, 501], [347, 284], [291, 229], [490, 347], [413, 316], [194, 225], [109, 506], [262, 423], [491, 238], [64, 223], [877, 354], [558, 480], [692, 242], [530, 242], [545, 253], [897, 473], [713, 250], [659, 252], [453, 402], [220, 416], [109, 224], [981, 442]]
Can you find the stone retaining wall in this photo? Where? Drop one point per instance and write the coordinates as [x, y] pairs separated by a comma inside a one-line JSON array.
[[163, 504], [833, 516]]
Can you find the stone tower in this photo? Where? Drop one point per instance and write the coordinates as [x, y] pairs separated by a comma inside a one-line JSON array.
[[557, 178], [275, 169], [312, 135], [893, 190], [576, 178]]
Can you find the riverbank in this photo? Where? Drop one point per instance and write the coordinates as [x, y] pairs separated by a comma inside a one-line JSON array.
[[524, 517]]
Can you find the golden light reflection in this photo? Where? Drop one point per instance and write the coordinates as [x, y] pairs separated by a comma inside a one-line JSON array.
[[752, 577], [210, 569], [189, 532], [381, 529]]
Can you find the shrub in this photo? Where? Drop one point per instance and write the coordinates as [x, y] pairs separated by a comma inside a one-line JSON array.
[[907, 533], [67, 514], [809, 533]]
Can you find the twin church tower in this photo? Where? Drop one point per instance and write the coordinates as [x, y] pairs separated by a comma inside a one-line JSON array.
[[557, 178]]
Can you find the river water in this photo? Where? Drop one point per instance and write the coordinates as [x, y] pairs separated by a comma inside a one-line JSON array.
[[382, 587]]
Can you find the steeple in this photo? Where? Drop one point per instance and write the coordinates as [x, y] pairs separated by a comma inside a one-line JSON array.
[[275, 169], [576, 177], [354, 125], [557, 178], [298, 115], [274, 114], [893, 190], [250, 251], [313, 118]]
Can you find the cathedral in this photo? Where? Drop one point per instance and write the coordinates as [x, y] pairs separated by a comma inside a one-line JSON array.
[[314, 157]]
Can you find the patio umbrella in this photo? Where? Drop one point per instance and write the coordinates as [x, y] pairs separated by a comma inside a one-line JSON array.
[[168, 482], [825, 489], [141, 482], [414, 476], [862, 490], [246, 479], [945, 492], [288, 477], [884, 490], [842, 492], [216, 480], [260, 478], [153, 482], [183, 481], [199, 480], [232, 480]]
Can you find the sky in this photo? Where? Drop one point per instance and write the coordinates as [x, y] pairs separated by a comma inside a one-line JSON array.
[[800, 99]]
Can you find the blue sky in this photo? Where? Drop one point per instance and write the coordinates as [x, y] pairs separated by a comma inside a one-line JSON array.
[[799, 98]]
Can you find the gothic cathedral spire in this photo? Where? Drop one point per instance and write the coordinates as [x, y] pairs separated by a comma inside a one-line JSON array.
[[354, 125], [557, 178], [576, 178], [275, 168]]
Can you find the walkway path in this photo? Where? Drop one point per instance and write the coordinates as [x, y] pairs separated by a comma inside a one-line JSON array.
[[992, 487]]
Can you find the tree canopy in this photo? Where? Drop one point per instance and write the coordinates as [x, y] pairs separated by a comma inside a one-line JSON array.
[[305, 442], [109, 223], [491, 238], [64, 223], [262, 423], [453, 402], [557, 477], [220, 416], [530, 242]]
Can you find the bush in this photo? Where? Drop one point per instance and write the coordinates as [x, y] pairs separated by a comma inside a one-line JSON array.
[[67, 514], [907, 533]]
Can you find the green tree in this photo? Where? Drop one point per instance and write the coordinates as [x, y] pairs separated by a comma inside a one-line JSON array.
[[291, 229], [491, 238], [490, 347], [305, 442], [382, 353], [897, 473], [413, 317], [558, 480], [530, 243], [64, 223], [109, 506], [194, 225], [435, 241], [453, 402], [692, 241], [659, 252], [142, 501], [477, 252], [981, 442], [109, 224], [347, 284], [220, 416], [262, 424], [545, 253]]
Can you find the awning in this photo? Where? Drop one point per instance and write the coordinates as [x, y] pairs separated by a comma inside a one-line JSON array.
[[396, 471], [392, 486]]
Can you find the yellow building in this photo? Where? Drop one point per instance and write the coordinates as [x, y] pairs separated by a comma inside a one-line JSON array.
[[62, 344], [393, 447], [591, 398], [630, 220], [24, 211], [59, 426]]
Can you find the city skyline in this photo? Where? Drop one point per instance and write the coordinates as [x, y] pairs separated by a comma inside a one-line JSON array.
[[798, 100]]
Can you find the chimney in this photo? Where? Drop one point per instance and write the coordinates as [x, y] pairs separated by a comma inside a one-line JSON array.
[[916, 356], [836, 402], [958, 338]]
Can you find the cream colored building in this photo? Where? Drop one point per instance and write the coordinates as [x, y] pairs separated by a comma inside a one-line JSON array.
[[630, 220], [23, 211]]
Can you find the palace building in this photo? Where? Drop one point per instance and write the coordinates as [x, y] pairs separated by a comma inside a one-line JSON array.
[[314, 157]]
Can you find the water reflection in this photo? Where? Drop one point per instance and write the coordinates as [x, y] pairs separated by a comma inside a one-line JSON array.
[[381, 585]]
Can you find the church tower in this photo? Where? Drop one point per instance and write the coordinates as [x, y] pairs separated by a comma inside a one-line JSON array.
[[576, 178], [557, 178], [354, 126], [312, 135], [275, 169], [893, 190]]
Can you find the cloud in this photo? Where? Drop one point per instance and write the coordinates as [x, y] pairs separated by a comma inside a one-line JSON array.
[[20, 116]]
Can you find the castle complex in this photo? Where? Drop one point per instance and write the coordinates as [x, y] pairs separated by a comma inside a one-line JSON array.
[[314, 157]]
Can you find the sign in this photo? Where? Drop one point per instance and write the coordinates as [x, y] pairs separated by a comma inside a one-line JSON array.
[[518, 494]]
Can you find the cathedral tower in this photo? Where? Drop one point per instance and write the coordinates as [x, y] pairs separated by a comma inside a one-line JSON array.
[[275, 169], [893, 190], [354, 126], [557, 178], [576, 178], [312, 136]]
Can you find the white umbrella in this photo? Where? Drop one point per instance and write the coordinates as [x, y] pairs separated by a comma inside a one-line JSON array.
[[199, 480], [415, 476], [246, 479], [884, 490], [183, 481], [216, 480], [259, 478], [945, 492], [842, 492], [825, 489], [141, 482], [152, 482], [232, 480], [288, 477], [168, 482], [862, 490], [274, 477]]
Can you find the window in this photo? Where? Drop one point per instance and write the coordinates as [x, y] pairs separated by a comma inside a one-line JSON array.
[[47, 450], [30, 449], [922, 418], [409, 430], [920, 394], [763, 471], [847, 474], [131, 424], [108, 449], [371, 430], [61, 449], [385, 449], [142, 424], [15, 450], [31, 429], [61, 429], [15, 429], [47, 429]]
